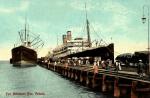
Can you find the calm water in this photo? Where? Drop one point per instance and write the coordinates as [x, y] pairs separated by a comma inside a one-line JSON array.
[[37, 82]]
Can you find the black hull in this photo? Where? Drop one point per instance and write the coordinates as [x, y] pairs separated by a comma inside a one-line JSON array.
[[23, 57], [105, 52]]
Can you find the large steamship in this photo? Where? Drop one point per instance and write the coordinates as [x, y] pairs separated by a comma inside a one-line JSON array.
[[82, 47], [25, 54]]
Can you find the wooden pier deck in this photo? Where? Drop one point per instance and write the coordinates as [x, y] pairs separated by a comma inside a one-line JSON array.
[[119, 83]]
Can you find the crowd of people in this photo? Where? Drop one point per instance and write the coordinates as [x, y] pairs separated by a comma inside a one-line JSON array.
[[98, 63]]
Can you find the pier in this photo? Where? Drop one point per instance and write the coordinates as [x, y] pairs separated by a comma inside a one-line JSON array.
[[118, 83]]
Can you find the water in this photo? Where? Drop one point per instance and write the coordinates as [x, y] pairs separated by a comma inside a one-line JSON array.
[[37, 82]]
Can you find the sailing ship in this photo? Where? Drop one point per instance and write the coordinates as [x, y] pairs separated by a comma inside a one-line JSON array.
[[80, 47], [25, 54]]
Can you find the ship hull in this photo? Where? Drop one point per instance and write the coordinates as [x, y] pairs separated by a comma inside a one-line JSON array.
[[23, 57]]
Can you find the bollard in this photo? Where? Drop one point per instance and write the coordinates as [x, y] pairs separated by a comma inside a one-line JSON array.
[[72, 74], [103, 84], [116, 89], [76, 77], [133, 90], [87, 80], [94, 81], [81, 78]]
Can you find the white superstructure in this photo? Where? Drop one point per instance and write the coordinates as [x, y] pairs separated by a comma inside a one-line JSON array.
[[70, 46]]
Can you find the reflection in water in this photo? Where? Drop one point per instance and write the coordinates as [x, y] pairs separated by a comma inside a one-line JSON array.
[[36, 82]]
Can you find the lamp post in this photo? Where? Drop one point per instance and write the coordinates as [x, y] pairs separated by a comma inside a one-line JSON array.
[[144, 19]]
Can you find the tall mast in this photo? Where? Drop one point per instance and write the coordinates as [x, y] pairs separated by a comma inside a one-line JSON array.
[[28, 33], [87, 28], [25, 29]]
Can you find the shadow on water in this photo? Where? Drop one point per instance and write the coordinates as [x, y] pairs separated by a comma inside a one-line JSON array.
[[20, 67]]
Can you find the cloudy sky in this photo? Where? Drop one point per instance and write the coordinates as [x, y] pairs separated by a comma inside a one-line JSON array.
[[117, 21]]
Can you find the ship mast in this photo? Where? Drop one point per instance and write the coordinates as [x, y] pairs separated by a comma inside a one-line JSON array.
[[88, 28], [25, 30]]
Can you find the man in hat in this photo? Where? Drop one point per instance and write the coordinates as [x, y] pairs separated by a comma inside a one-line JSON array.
[[140, 67]]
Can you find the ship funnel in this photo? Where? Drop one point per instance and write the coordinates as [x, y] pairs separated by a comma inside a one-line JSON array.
[[69, 36], [64, 37]]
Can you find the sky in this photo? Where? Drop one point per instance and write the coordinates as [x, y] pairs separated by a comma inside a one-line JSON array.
[[117, 21]]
